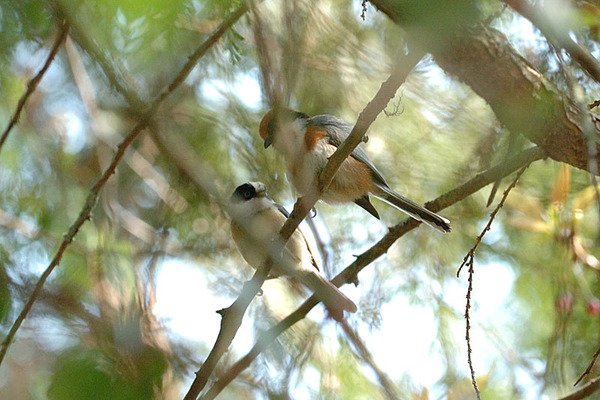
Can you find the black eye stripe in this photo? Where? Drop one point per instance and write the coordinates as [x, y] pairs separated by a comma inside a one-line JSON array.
[[243, 193]]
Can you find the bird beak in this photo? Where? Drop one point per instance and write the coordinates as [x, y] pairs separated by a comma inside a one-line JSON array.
[[261, 191], [268, 140]]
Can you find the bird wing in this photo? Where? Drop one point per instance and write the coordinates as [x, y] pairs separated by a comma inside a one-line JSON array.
[[287, 215], [338, 130]]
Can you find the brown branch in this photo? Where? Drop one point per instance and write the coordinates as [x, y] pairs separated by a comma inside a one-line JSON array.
[[587, 390], [386, 383], [349, 274], [385, 93], [304, 204], [467, 316], [469, 261], [589, 367], [231, 319], [85, 213], [560, 36], [474, 53], [33, 82]]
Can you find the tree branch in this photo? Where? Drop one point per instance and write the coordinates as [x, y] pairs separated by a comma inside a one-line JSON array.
[[90, 202], [385, 93], [304, 204], [586, 390], [377, 250], [231, 319], [481, 57], [469, 261], [555, 34], [33, 82]]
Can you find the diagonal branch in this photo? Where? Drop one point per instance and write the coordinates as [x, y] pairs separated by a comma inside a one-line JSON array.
[[585, 391], [33, 83], [365, 119], [78, 33], [589, 367], [377, 250], [303, 206], [555, 33], [90, 202], [231, 319], [482, 57]]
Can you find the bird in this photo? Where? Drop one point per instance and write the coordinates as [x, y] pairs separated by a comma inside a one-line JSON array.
[[255, 223], [306, 143]]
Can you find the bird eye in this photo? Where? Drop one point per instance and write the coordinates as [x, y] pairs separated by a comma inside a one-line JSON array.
[[247, 195]]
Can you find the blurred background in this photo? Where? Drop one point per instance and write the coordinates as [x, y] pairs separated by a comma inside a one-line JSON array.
[[130, 311]]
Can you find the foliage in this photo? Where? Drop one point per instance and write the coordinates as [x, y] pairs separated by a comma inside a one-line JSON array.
[[99, 330]]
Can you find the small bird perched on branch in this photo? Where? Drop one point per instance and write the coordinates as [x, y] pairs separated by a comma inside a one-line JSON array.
[[256, 222], [306, 143]]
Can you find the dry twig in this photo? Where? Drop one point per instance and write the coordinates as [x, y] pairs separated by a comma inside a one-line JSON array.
[[585, 391], [469, 261], [33, 82], [589, 367], [561, 36]]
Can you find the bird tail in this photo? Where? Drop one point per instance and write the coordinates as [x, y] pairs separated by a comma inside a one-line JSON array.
[[413, 209], [335, 301]]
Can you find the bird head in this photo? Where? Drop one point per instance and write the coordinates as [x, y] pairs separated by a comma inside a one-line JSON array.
[[277, 120]]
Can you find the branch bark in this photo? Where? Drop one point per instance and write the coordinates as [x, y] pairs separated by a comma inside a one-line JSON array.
[[33, 82], [230, 322], [351, 272], [585, 391], [556, 34], [522, 99]]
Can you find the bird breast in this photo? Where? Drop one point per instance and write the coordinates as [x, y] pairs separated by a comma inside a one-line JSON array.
[[352, 181]]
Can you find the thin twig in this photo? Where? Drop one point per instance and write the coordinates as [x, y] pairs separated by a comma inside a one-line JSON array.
[[555, 32], [589, 367], [33, 83], [483, 179], [90, 202], [469, 261], [585, 391], [471, 252], [467, 316]]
